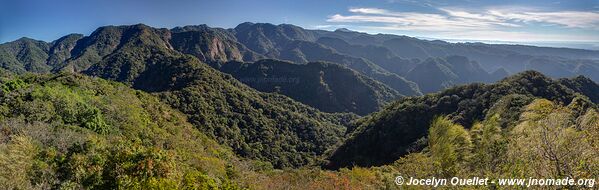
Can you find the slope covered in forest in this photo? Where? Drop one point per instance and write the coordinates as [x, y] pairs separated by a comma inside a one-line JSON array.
[[383, 137], [257, 125], [328, 87], [275, 128], [74, 131]]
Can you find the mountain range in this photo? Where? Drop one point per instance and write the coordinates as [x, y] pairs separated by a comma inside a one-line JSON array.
[[385, 136], [336, 72], [199, 107], [409, 66]]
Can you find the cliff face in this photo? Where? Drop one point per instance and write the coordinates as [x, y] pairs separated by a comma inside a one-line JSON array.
[[210, 45]]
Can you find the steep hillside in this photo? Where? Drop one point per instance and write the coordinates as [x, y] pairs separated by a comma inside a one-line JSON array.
[[547, 140], [210, 45], [106, 41], [385, 136], [121, 53], [432, 75], [383, 57], [24, 55], [73, 131], [256, 125], [377, 54], [61, 48], [296, 44], [436, 74], [584, 86], [267, 39], [303, 52], [328, 87]]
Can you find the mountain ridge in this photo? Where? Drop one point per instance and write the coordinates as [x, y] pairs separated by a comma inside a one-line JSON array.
[[263, 126], [373, 141], [250, 42], [342, 89]]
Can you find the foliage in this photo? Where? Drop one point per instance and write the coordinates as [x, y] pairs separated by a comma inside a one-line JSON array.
[[16, 161], [373, 139], [24, 55], [449, 144], [521, 151], [326, 86], [292, 43], [11, 85], [71, 131], [548, 143], [257, 125]]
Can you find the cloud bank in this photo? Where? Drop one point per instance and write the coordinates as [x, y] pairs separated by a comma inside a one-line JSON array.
[[501, 23]]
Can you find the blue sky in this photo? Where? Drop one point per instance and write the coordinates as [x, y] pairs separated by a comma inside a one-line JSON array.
[[555, 23]]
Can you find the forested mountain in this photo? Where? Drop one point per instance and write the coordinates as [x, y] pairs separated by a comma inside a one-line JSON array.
[[73, 131], [216, 50], [583, 85], [431, 74], [195, 107], [295, 44], [326, 86], [401, 63], [269, 127], [398, 129], [398, 54], [24, 55], [256, 125], [377, 54], [268, 39], [210, 44], [436, 74], [512, 58], [61, 49]]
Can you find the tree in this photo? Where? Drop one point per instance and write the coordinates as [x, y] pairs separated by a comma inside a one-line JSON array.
[[449, 145], [489, 146], [16, 161], [548, 144]]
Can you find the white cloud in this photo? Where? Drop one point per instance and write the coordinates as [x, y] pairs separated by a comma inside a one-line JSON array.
[[570, 19], [326, 26], [369, 11], [452, 21], [493, 23]]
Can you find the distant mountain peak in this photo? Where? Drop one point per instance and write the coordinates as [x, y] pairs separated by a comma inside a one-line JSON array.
[[252, 24], [344, 30], [190, 28], [25, 39], [139, 26]]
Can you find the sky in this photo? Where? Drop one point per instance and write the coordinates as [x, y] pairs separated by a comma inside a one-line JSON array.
[[567, 23]]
